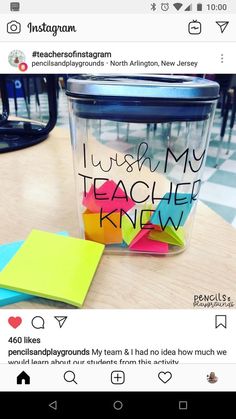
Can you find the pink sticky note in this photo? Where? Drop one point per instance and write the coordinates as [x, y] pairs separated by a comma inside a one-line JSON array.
[[114, 199], [147, 245], [142, 233], [143, 244]]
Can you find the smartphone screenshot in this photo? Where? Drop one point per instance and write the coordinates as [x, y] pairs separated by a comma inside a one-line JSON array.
[[117, 208]]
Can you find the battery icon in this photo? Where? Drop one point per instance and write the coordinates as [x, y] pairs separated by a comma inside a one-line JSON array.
[[199, 7]]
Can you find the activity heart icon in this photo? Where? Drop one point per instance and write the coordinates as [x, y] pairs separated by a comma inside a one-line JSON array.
[[165, 376], [15, 322]]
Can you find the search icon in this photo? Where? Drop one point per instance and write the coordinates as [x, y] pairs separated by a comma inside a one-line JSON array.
[[69, 376]]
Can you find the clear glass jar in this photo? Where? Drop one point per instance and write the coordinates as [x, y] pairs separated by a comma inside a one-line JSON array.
[[139, 145]]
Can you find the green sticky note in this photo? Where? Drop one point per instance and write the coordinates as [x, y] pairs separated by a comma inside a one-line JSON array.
[[55, 267], [169, 235], [130, 229]]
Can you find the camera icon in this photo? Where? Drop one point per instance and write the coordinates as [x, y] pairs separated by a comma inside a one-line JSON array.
[[13, 27]]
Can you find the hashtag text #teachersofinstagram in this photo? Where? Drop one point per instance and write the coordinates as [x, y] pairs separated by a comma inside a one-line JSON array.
[[53, 29]]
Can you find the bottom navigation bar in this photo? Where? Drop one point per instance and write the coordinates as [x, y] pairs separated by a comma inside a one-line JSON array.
[[144, 378], [111, 405]]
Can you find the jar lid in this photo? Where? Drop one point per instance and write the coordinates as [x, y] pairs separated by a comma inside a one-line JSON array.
[[175, 87]]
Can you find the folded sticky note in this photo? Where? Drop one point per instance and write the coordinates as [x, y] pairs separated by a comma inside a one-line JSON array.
[[151, 246], [106, 231], [109, 197], [54, 267], [169, 235], [7, 251], [132, 226], [143, 244], [173, 210]]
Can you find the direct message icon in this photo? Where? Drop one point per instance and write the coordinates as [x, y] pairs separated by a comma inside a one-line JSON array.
[[221, 321], [61, 320], [222, 25]]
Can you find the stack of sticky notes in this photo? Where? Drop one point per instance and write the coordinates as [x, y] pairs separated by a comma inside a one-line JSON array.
[[7, 252], [53, 266]]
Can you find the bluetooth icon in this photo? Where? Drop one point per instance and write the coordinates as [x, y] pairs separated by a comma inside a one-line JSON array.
[[153, 7]]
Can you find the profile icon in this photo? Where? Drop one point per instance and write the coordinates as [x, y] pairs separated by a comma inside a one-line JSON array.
[[16, 58], [211, 378]]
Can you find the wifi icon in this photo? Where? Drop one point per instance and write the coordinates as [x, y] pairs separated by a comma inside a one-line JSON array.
[[178, 6]]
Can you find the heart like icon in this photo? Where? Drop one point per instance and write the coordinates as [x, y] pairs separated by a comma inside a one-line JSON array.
[[165, 376], [15, 322]]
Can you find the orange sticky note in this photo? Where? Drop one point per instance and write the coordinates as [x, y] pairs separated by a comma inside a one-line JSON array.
[[105, 231]]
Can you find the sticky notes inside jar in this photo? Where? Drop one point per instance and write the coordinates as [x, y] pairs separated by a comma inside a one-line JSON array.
[[132, 223], [169, 235], [108, 197], [142, 243], [173, 210], [102, 227]]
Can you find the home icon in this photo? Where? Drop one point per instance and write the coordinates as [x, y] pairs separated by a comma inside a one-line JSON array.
[[23, 378]]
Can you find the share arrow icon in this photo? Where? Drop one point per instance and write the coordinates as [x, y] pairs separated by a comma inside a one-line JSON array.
[[61, 320], [222, 25]]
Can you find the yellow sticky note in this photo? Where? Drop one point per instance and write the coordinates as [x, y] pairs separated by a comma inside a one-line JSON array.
[[131, 229], [169, 235], [54, 267], [106, 231]]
